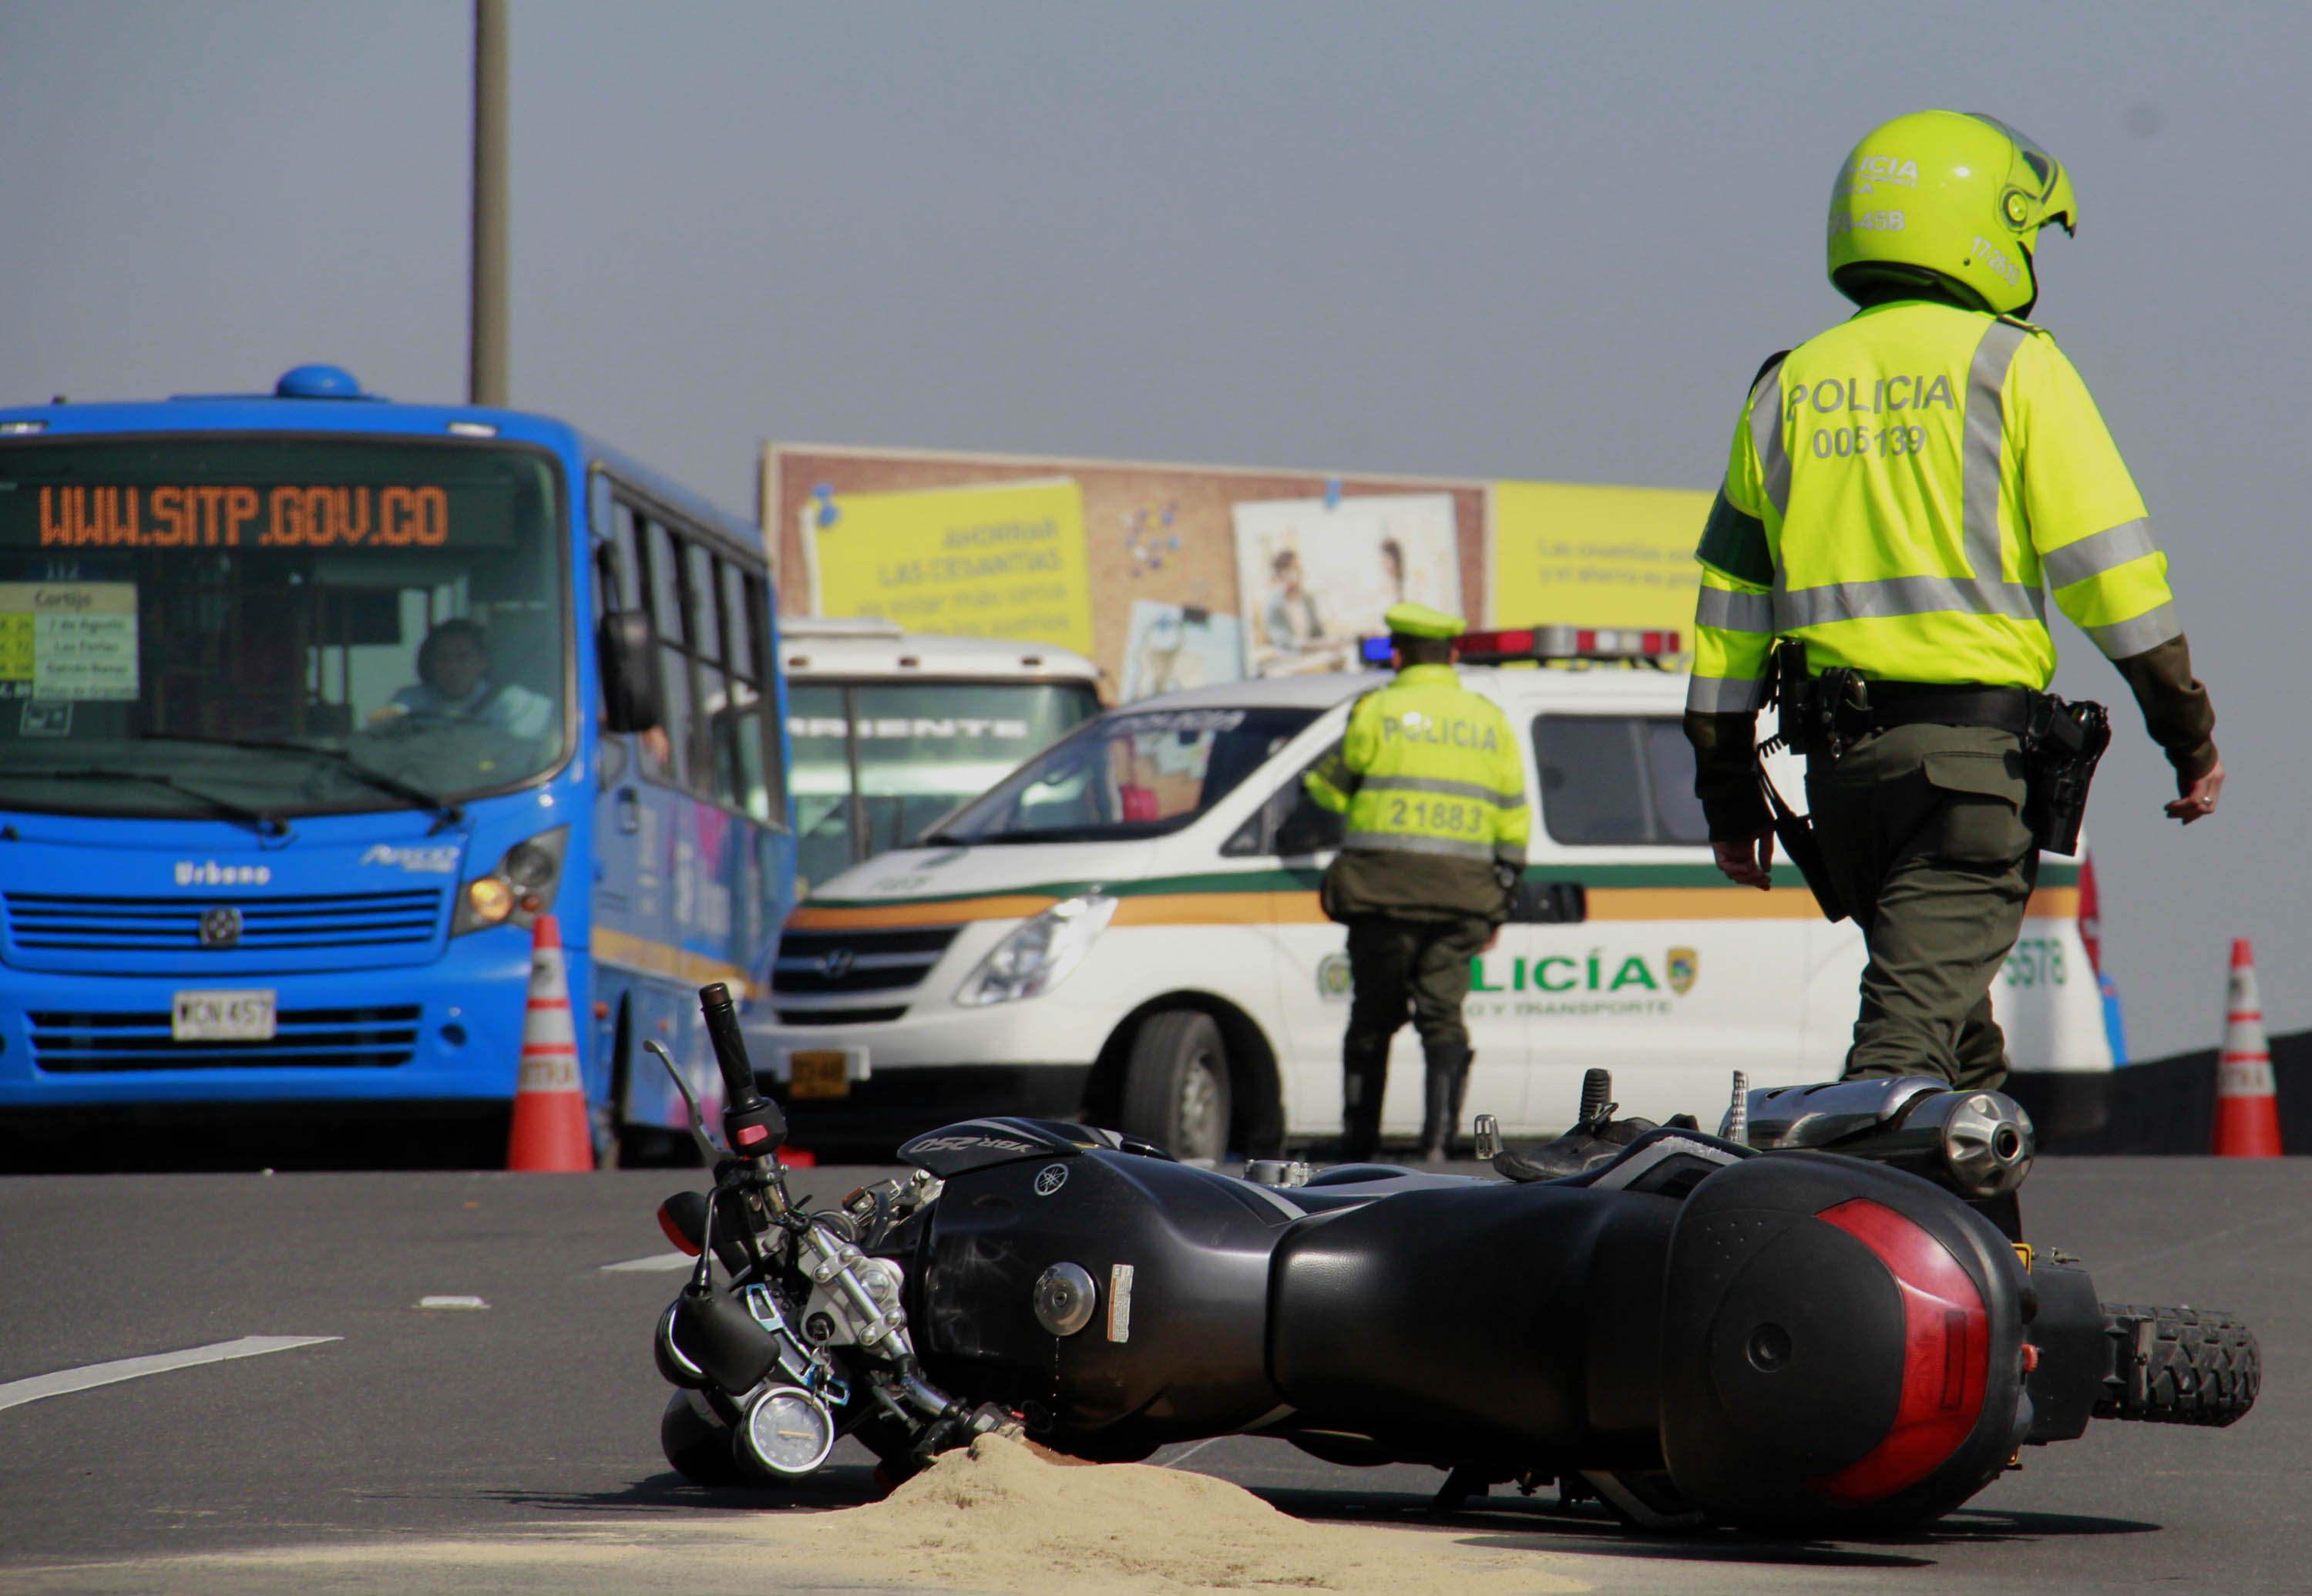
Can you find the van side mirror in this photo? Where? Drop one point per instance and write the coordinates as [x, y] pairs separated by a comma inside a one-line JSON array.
[[633, 692]]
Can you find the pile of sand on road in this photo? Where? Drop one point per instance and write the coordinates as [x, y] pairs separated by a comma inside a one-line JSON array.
[[996, 1518], [999, 1518]]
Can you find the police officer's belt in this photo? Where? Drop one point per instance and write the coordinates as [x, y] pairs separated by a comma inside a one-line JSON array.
[[1942, 704]]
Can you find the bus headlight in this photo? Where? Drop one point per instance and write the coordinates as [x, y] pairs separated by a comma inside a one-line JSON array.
[[518, 889], [1038, 955]]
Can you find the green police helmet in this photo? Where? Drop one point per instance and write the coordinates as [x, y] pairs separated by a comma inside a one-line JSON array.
[[1419, 620], [1942, 196]]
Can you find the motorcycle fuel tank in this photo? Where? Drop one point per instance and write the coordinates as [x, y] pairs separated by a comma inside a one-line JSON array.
[[1177, 1259]]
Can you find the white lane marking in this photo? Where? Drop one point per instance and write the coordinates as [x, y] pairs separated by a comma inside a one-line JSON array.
[[63, 1380], [656, 1263], [1193, 1451], [468, 1303]]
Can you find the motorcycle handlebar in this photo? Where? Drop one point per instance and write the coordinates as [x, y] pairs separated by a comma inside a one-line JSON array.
[[738, 1089]]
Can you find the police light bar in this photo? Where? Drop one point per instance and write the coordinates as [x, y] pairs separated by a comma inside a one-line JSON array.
[[1549, 643]]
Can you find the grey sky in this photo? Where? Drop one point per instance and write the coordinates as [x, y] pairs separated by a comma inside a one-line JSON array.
[[1521, 240]]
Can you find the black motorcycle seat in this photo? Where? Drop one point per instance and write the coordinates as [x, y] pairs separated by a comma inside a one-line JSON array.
[[1388, 1309]]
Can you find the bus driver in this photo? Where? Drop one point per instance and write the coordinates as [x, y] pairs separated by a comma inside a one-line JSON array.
[[453, 684]]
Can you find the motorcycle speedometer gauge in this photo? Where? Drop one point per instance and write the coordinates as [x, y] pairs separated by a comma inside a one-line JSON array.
[[789, 1430]]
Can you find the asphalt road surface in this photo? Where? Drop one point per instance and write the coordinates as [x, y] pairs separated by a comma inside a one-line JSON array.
[[539, 1408]]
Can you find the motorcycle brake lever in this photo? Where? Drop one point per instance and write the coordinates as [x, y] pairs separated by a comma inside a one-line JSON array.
[[708, 1152]]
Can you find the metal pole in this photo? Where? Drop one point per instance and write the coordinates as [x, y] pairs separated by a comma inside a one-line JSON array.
[[486, 364]]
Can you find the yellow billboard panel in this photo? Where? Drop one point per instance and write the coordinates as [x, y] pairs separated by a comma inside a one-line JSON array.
[[1005, 560], [1596, 557]]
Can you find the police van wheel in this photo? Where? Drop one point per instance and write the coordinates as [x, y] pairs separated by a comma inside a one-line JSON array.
[[1176, 1086]]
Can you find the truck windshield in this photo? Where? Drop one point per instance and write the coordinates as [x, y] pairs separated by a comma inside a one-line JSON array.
[[1133, 773], [254, 627], [921, 748]]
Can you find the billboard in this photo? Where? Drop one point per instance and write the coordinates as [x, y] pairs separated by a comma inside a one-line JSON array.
[[1314, 578], [996, 561], [1570, 553], [1159, 535]]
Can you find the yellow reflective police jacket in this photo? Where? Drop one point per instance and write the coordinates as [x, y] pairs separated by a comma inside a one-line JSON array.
[[1899, 489], [1428, 767]]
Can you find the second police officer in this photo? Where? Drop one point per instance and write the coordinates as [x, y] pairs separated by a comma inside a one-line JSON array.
[[1899, 489], [1430, 779]]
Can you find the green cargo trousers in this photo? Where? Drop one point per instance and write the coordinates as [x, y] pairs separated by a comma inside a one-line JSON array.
[[1426, 962], [1394, 963], [1921, 829]]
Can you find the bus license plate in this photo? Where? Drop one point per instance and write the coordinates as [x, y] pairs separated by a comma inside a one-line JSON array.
[[820, 1074], [222, 1017]]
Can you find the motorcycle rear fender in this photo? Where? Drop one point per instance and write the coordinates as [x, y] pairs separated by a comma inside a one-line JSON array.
[[1842, 1342]]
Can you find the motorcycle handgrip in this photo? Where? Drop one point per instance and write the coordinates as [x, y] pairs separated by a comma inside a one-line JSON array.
[[739, 1091], [754, 1124]]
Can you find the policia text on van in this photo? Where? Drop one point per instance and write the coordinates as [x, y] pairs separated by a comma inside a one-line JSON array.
[[1899, 490]]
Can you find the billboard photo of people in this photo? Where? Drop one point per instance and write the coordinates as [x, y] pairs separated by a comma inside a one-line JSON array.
[[1314, 578], [1173, 646]]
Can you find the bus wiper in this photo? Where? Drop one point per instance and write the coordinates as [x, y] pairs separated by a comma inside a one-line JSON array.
[[256, 820], [446, 812]]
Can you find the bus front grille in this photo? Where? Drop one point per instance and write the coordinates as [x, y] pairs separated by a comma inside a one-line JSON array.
[[818, 962], [78, 931], [76, 1044]]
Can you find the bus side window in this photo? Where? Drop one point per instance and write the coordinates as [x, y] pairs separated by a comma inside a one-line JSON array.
[[713, 760], [628, 535], [664, 757], [751, 740]]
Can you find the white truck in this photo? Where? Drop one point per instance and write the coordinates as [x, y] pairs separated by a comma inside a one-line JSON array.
[[890, 730], [1126, 930]]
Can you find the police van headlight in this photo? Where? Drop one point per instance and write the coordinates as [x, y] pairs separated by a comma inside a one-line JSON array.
[[1039, 956]]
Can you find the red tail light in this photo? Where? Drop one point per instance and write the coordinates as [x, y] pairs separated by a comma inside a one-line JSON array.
[[1946, 1356]]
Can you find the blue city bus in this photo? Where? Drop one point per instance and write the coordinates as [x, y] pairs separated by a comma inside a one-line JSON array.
[[311, 704]]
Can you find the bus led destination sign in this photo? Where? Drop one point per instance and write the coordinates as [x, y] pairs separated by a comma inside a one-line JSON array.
[[211, 515]]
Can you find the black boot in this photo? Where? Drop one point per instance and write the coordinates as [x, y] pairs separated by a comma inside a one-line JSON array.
[[1447, 1083], [1364, 1077]]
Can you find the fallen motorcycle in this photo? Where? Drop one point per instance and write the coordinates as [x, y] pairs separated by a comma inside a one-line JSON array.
[[1799, 1325]]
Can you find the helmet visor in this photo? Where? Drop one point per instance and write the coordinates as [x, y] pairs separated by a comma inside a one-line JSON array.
[[2039, 176]]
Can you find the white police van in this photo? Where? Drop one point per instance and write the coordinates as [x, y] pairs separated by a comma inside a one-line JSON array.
[[1126, 930]]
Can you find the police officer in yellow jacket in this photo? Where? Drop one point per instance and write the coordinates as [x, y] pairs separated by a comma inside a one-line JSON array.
[[1899, 489], [1430, 780]]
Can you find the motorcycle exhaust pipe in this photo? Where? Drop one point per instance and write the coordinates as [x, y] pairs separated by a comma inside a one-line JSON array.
[[1980, 1144]]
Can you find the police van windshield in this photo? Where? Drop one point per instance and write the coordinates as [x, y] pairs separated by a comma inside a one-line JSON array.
[[1131, 774]]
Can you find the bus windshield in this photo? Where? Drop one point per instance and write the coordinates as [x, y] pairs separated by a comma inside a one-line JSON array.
[[1134, 773], [237, 625], [922, 748]]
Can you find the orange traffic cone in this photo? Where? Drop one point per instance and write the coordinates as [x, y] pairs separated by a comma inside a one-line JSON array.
[[2248, 1111], [549, 1106]]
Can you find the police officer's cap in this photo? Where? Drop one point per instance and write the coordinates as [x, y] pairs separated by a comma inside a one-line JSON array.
[[1419, 620]]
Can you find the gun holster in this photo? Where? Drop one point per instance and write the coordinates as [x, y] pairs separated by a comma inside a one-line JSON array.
[[1809, 718], [2063, 743]]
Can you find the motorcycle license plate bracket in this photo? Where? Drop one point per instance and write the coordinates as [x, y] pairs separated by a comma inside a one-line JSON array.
[[816, 1074]]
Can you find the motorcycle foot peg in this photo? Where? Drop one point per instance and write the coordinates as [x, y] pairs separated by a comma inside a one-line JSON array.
[[1487, 1139]]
